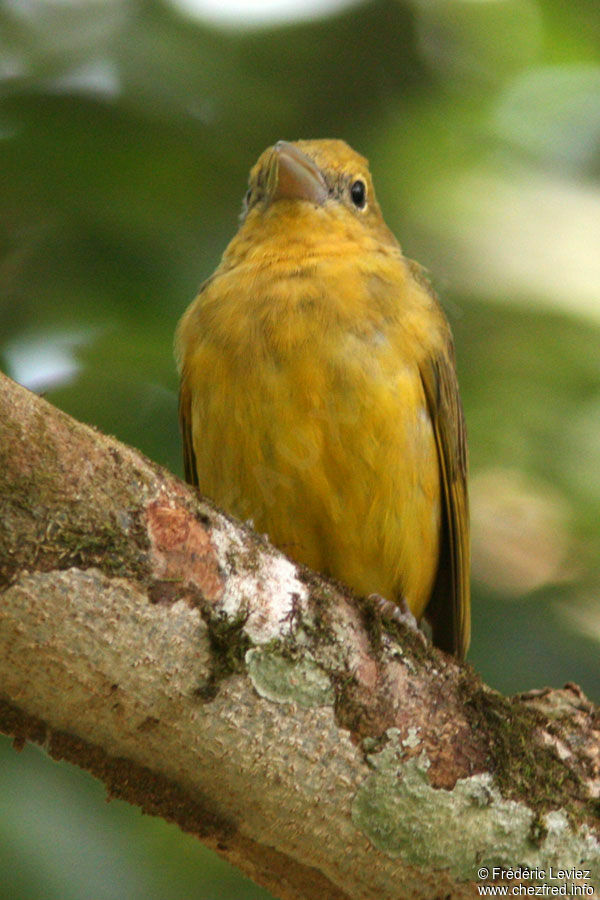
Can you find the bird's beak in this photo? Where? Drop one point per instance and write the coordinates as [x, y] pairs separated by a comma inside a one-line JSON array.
[[294, 176]]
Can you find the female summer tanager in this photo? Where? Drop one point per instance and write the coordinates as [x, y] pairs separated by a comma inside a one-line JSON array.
[[318, 390]]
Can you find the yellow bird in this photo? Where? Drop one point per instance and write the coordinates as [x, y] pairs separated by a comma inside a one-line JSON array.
[[319, 396]]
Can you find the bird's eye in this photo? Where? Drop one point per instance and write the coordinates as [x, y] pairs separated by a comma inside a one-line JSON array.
[[358, 192]]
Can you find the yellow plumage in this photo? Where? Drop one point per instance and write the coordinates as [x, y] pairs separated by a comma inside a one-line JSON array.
[[313, 364]]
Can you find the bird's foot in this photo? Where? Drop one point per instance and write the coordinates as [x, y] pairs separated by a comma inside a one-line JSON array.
[[397, 612]]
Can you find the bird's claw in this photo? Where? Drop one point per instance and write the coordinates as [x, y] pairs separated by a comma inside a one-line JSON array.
[[397, 612]]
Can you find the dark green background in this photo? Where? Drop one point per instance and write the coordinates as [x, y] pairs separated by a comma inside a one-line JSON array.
[[126, 134]]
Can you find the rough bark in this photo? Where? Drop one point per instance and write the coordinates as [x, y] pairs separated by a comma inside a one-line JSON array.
[[176, 655]]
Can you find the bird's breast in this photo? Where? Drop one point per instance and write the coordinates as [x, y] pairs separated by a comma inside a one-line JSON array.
[[310, 419], [277, 304]]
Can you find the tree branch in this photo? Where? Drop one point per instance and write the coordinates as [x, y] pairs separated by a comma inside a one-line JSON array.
[[176, 655]]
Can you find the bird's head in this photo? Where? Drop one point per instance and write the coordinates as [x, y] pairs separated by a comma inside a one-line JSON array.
[[326, 175]]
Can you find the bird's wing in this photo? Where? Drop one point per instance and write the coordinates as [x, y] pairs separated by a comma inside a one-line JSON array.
[[185, 392], [449, 610], [185, 423]]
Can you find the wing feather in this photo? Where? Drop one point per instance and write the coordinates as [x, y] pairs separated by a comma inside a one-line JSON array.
[[185, 423], [449, 610]]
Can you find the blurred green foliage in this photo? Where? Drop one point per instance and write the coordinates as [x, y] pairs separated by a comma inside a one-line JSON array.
[[126, 134]]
